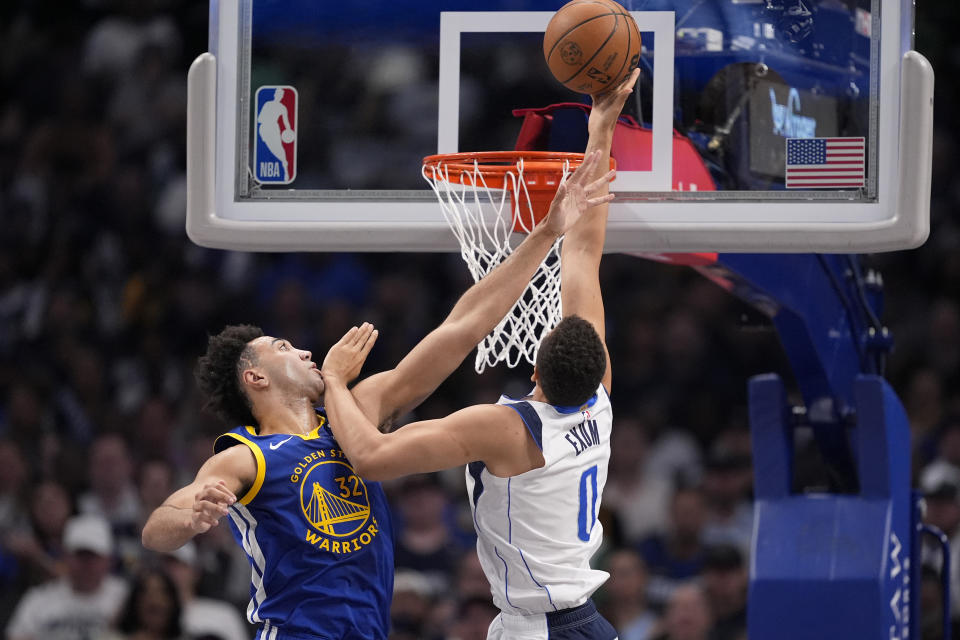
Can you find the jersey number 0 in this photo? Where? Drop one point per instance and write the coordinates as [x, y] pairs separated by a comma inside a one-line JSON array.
[[587, 514]]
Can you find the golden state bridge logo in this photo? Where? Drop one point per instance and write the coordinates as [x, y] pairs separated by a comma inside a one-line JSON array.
[[335, 502]]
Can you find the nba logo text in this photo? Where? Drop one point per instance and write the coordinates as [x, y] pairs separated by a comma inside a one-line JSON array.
[[275, 135]]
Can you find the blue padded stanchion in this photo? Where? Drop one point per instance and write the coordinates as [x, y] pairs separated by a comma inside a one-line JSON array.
[[832, 566]]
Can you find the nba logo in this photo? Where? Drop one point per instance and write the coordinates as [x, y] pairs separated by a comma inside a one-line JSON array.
[[275, 135]]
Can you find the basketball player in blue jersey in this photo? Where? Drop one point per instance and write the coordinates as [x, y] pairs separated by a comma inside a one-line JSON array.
[[536, 467], [317, 532]]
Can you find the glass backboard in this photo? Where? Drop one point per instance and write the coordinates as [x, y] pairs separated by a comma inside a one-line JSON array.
[[758, 125]]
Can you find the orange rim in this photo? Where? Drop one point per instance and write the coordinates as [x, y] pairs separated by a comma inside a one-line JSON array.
[[542, 170]]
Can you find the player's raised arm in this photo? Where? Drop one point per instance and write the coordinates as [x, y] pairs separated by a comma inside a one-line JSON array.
[[487, 432], [387, 395], [583, 244], [199, 506]]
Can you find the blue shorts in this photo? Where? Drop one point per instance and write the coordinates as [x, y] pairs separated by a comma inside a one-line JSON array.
[[271, 632], [577, 623]]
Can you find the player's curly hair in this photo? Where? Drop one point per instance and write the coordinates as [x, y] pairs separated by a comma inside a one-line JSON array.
[[218, 373], [571, 362]]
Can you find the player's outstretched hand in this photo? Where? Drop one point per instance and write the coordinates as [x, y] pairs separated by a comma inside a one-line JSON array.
[[209, 505], [607, 106], [346, 358], [576, 195]]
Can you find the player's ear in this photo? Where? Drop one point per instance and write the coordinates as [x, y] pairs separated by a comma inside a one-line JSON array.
[[253, 377]]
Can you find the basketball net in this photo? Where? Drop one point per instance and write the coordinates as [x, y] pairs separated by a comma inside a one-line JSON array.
[[482, 211]]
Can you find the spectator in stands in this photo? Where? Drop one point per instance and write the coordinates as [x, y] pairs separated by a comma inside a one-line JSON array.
[[931, 606], [677, 556], [425, 542], [155, 427], [639, 498], [113, 493], [410, 611], [470, 581], [941, 490], [729, 511], [474, 616], [625, 596], [14, 525], [947, 451], [154, 483], [93, 278], [943, 345], [82, 398], [687, 616], [84, 603], [724, 582], [923, 399], [222, 567], [202, 616], [152, 610], [13, 487], [39, 547], [25, 415], [675, 455]]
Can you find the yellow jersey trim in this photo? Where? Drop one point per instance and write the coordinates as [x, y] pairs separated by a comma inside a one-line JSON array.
[[261, 467], [315, 433]]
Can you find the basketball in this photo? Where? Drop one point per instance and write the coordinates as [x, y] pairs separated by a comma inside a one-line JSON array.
[[591, 45], [288, 136]]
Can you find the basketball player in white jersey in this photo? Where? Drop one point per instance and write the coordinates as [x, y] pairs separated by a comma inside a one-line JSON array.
[[536, 466]]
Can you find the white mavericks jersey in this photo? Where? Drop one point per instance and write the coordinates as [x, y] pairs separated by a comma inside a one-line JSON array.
[[537, 531]]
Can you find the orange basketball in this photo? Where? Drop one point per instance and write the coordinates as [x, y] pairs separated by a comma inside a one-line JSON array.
[[591, 45]]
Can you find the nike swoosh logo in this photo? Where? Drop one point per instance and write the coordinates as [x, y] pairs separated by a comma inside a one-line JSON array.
[[277, 445]]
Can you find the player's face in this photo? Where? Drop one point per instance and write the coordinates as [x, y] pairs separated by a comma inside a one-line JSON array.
[[288, 368]]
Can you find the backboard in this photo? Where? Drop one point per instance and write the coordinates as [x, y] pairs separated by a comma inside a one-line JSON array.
[[761, 125]]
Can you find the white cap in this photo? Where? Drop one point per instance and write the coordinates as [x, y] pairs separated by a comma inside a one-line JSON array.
[[408, 580], [88, 533], [940, 478]]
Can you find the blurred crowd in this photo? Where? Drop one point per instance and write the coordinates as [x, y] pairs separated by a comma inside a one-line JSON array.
[[105, 305]]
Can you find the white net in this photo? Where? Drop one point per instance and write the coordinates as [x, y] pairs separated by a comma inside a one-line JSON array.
[[482, 218]]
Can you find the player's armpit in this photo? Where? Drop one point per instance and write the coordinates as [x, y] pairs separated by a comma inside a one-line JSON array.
[[375, 397]]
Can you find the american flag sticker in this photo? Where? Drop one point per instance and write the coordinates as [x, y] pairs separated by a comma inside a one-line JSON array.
[[826, 163]]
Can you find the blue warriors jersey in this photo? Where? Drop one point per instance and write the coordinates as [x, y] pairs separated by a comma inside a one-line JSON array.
[[318, 538]]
